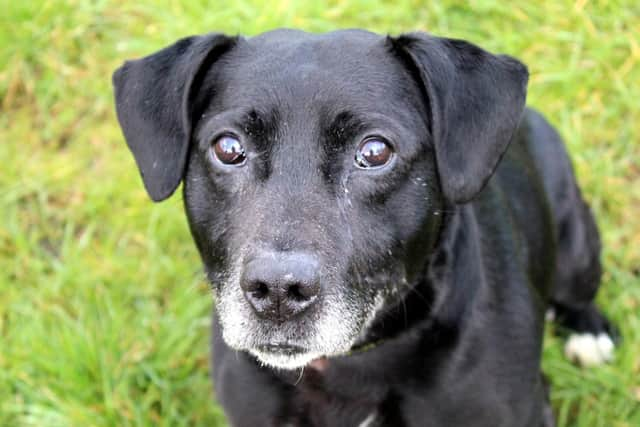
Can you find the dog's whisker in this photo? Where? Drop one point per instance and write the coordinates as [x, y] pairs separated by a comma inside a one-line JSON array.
[[299, 376]]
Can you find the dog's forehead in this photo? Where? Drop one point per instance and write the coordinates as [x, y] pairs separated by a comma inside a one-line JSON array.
[[290, 37], [338, 50], [293, 67]]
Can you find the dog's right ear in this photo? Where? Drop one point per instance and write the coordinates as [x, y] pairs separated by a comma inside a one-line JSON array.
[[476, 100], [153, 103]]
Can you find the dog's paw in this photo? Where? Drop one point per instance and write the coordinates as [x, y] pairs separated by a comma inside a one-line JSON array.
[[550, 315], [588, 349]]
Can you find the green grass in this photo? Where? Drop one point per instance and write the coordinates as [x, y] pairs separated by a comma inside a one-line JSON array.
[[104, 316]]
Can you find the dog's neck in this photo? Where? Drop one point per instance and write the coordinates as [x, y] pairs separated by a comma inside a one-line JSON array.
[[422, 303]]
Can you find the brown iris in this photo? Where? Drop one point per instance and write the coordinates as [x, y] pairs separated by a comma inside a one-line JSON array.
[[373, 152], [229, 150]]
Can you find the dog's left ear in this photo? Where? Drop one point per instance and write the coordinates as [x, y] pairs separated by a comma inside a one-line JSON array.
[[475, 99], [153, 103]]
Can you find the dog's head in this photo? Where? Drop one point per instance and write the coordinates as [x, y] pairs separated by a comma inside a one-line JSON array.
[[315, 168]]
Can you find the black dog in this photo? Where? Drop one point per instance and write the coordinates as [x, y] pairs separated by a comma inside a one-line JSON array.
[[383, 221]]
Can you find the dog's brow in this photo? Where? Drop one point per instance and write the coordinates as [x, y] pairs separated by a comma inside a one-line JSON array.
[[261, 126], [341, 127]]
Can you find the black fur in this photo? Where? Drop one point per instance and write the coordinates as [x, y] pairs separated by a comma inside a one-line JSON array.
[[463, 240]]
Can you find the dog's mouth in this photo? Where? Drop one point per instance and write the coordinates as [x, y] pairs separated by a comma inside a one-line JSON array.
[[281, 349], [284, 356]]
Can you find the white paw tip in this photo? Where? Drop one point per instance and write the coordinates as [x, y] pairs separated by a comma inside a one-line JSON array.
[[588, 349], [550, 315]]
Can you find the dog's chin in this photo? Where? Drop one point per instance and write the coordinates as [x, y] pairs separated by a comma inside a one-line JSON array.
[[285, 361]]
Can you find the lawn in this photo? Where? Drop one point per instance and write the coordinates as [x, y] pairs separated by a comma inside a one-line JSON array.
[[104, 313]]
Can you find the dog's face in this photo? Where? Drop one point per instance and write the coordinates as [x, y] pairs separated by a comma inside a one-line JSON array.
[[335, 176], [315, 168]]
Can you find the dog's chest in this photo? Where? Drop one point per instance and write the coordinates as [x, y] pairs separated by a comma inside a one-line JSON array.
[[313, 403], [336, 413]]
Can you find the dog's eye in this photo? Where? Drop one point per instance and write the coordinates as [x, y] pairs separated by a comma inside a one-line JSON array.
[[373, 152], [228, 150]]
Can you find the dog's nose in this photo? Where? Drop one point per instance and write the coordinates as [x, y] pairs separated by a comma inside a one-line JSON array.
[[279, 285]]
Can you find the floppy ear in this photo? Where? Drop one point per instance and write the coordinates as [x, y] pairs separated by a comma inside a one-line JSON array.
[[153, 103], [476, 100]]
